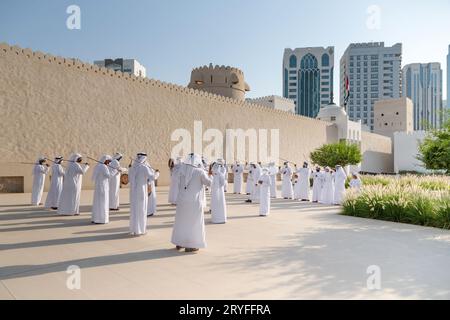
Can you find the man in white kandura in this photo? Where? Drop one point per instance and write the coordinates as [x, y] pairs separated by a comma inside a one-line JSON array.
[[303, 182], [225, 169], [69, 203], [40, 170], [257, 171], [140, 175], [218, 202], [328, 187], [249, 184], [189, 227], [238, 171], [264, 189], [56, 184], [355, 183], [205, 165], [317, 185], [114, 182], [286, 187], [339, 185], [273, 171], [173, 188], [101, 176], [151, 207]]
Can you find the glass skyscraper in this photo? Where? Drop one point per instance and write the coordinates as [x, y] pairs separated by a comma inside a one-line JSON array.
[[448, 79], [308, 78], [422, 83], [374, 73]]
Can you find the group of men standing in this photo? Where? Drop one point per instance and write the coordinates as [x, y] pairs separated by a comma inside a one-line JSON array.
[[328, 185], [190, 180], [66, 182]]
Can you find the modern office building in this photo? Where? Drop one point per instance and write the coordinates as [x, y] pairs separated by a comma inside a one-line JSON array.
[[422, 83], [308, 78], [448, 79], [373, 72], [131, 66]]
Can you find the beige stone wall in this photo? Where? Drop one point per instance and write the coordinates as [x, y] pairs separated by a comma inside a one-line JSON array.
[[51, 105], [377, 153], [393, 115]]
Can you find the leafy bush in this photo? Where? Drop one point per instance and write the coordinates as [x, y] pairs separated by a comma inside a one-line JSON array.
[[435, 149], [341, 153]]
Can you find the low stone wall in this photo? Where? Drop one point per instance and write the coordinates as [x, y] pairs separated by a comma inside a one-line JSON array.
[[377, 153]]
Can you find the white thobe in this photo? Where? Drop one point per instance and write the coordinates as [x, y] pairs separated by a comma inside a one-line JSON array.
[[189, 227], [69, 203], [355, 184], [114, 184], [264, 189], [286, 186], [218, 202], [249, 185], [328, 188], [303, 183], [173, 188], [238, 171], [225, 187], [317, 186], [140, 175], [256, 172], [100, 206], [339, 186], [273, 171], [295, 188], [56, 185], [151, 208], [39, 172]]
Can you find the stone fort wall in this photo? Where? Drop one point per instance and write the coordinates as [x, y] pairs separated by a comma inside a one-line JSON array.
[[52, 105]]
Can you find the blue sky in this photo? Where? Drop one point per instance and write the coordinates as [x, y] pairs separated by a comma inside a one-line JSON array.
[[171, 37]]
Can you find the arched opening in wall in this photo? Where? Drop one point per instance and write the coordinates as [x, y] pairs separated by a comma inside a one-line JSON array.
[[211, 79]]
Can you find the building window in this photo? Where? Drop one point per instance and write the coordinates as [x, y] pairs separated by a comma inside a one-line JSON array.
[[293, 61], [325, 60], [285, 83], [309, 86], [333, 118]]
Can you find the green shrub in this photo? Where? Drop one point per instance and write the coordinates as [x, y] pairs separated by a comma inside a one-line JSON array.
[[416, 200]]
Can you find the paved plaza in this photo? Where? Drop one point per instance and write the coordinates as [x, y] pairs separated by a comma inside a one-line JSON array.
[[301, 251]]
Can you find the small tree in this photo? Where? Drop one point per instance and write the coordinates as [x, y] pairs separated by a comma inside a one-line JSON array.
[[341, 153], [435, 149]]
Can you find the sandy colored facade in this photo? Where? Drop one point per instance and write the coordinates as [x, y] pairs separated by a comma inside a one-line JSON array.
[[53, 105], [393, 115], [222, 80]]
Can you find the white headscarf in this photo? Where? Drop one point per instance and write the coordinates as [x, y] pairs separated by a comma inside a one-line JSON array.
[[74, 157], [118, 156], [100, 165], [37, 163], [191, 162]]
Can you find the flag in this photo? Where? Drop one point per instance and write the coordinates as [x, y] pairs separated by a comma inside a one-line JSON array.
[[347, 88]]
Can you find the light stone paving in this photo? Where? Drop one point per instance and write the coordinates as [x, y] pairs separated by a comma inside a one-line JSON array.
[[301, 251]]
